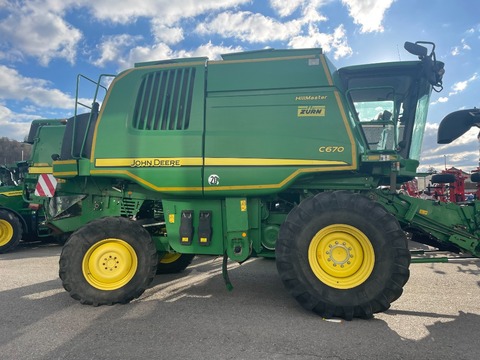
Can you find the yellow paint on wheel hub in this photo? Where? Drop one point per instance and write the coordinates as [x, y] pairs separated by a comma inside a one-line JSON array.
[[109, 264], [6, 232], [169, 258], [341, 256]]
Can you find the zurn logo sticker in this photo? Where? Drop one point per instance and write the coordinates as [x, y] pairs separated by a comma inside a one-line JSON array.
[[311, 111]]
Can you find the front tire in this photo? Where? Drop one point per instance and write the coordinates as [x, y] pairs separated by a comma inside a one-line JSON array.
[[10, 231], [108, 261], [341, 254]]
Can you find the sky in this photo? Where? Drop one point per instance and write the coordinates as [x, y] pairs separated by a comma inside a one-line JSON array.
[[44, 44]]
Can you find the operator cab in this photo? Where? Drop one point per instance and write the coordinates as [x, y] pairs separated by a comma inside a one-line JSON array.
[[389, 101]]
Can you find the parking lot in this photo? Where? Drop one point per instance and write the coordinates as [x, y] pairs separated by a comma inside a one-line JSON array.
[[192, 316]]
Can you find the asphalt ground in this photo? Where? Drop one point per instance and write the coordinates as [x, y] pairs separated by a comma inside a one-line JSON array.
[[192, 316]]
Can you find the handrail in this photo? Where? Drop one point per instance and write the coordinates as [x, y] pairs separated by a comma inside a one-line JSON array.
[[94, 110]]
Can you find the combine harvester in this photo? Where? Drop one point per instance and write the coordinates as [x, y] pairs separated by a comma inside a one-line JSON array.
[[18, 219], [272, 153]]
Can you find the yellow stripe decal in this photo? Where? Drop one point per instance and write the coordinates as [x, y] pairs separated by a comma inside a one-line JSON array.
[[40, 170], [65, 162], [348, 129], [269, 186], [65, 173], [192, 161], [12, 193], [326, 70], [214, 188], [267, 162], [144, 182], [149, 162]]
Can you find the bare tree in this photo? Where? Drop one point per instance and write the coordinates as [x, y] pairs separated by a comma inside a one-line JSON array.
[[12, 151]]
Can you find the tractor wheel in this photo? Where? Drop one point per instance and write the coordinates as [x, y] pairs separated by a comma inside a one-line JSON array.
[[108, 261], [443, 179], [475, 177], [171, 263], [341, 254], [10, 231]]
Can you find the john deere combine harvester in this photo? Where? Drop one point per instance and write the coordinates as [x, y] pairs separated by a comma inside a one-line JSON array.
[[266, 153], [18, 220]]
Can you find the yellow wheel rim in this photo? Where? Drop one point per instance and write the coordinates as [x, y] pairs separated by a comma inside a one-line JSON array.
[[6, 232], [109, 264], [169, 258], [341, 256]]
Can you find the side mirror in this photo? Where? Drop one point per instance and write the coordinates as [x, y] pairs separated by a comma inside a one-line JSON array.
[[415, 49], [456, 124], [433, 70]]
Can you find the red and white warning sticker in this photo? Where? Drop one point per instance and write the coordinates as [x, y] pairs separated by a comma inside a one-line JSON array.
[[46, 185]]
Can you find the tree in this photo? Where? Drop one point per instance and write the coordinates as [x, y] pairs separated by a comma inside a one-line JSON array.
[[12, 151]]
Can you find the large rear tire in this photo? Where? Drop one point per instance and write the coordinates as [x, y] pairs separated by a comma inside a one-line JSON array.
[[108, 261], [10, 231], [341, 254]]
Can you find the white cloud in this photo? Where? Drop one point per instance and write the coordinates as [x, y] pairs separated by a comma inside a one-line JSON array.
[[457, 50], [462, 85], [368, 14], [112, 47], [335, 42], [251, 27], [33, 30], [300, 33], [442, 99], [286, 8], [311, 12], [213, 51], [165, 11], [166, 34], [309, 8], [466, 142], [465, 46], [15, 126], [461, 153], [38, 91], [46, 35], [162, 51]]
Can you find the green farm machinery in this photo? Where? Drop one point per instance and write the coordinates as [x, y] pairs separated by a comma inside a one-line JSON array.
[[18, 219], [272, 153]]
